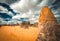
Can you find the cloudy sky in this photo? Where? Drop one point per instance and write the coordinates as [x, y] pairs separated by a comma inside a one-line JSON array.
[[28, 10]]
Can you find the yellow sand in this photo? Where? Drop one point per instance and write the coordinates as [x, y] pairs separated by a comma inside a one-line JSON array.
[[16, 33]]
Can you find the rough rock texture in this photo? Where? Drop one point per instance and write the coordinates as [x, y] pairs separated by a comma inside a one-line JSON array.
[[48, 26], [46, 15]]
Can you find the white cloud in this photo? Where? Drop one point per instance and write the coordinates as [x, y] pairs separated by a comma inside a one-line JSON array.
[[28, 8], [24, 5]]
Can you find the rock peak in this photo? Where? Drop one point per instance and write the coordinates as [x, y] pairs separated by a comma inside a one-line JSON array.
[[46, 15]]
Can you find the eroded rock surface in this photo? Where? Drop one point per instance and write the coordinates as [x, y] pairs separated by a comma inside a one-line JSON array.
[[48, 26]]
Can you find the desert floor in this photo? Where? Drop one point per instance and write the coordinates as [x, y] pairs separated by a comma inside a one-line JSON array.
[[17, 33]]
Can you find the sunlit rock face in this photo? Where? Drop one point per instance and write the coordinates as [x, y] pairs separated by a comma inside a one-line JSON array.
[[48, 26], [46, 15]]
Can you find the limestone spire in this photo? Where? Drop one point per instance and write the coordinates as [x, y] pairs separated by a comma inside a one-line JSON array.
[[46, 15]]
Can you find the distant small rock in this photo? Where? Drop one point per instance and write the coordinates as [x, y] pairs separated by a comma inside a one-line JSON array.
[[25, 24]]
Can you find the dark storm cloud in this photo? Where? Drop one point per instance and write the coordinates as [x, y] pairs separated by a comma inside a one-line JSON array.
[[7, 7], [6, 12], [9, 1], [56, 1], [56, 4], [5, 16], [56, 9]]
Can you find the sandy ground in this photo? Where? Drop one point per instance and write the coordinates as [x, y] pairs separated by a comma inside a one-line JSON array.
[[16, 33]]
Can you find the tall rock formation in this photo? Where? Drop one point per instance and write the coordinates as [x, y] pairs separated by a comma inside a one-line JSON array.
[[46, 15], [48, 26]]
